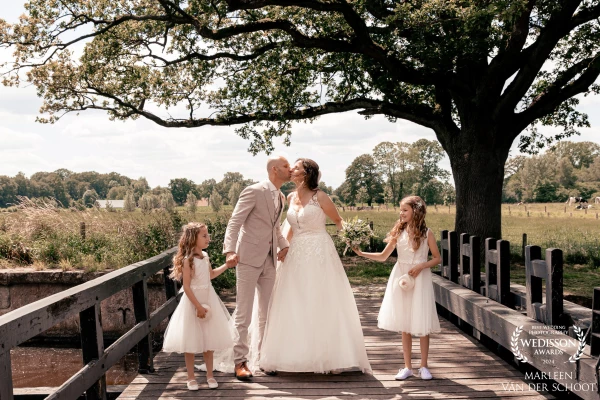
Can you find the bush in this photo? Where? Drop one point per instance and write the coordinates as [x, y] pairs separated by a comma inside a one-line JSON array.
[[217, 227]]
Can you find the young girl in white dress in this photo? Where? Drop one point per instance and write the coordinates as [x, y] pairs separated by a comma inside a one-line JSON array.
[[410, 311], [200, 321]]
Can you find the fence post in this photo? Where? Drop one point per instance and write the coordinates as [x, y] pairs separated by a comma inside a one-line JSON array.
[[533, 283], [497, 267], [470, 262], [551, 270], [140, 309], [6, 385], [453, 254], [82, 230], [92, 347], [524, 245], [595, 337], [554, 285]]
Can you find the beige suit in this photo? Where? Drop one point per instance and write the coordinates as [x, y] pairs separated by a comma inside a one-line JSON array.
[[253, 233]]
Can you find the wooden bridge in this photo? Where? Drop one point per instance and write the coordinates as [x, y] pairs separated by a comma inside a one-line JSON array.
[[489, 347]]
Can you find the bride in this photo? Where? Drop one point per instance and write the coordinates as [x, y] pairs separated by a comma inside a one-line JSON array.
[[313, 323]]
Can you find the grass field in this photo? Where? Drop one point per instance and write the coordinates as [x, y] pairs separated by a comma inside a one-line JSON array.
[[53, 239]]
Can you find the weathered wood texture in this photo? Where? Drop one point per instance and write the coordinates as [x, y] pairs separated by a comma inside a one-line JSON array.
[[497, 267], [84, 300], [549, 270], [450, 252], [462, 368], [500, 323]]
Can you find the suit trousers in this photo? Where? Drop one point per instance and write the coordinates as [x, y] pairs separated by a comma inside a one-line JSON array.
[[249, 279]]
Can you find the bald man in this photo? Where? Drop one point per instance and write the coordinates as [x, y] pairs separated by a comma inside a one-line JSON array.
[[251, 241]]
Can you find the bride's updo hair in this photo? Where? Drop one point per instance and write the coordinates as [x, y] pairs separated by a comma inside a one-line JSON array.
[[311, 173]]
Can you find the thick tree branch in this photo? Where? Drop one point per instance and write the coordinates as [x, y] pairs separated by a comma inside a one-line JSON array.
[[210, 57], [417, 113], [561, 90], [495, 78], [537, 54]]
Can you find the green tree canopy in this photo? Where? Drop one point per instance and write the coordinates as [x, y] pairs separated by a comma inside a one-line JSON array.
[[474, 72]]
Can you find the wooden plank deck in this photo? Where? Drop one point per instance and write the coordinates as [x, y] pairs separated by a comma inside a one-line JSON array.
[[462, 369]]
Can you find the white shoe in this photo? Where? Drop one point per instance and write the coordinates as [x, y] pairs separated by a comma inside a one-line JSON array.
[[192, 385], [212, 383], [425, 374], [403, 374]]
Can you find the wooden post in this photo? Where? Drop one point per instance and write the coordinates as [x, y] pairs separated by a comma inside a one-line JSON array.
[[533, 282], [140, 309], [82, 230], [554, 286], [528, 213], [550, 270], [545, 209], [470, 266], [595, 337], [6, 385], [170, 284], [497, 267], [450, 252], [448, 208], [453, 253], [524, 244], [596, 215], [92, 347], [371, 239], [565, 209]]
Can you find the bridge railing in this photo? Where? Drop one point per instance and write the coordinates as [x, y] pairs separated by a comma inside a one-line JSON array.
[[519, 311], [84, 300]]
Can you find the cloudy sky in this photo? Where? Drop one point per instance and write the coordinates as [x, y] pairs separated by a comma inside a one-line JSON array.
[[140, 148]]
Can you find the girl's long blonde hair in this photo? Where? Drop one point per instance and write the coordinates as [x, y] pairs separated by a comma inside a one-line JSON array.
[[187, 243], [418, 226]]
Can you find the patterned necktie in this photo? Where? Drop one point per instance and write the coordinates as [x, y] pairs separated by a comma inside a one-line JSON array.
[[278, 205]]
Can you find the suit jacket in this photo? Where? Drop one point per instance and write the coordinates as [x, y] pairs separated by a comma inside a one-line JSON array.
[[253, 229]]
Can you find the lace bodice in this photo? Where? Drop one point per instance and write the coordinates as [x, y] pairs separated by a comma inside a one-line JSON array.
[[406, 254], [309, 218], [201, 278]]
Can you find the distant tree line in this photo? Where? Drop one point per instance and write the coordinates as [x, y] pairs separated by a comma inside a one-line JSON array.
[[567, 169]]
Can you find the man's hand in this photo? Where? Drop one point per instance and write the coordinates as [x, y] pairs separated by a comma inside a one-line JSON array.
[[282, 253], [231, 260]]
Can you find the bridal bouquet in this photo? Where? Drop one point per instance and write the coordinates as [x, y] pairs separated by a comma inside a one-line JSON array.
[[355, 232]]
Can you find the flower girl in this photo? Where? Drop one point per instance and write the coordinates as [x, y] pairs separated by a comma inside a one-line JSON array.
[[409, 304], [200, 321]]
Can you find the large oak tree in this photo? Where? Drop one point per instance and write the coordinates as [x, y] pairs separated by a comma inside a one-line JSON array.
[[477, 72]]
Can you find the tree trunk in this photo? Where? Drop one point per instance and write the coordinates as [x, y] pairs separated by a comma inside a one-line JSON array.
[[478, 171]]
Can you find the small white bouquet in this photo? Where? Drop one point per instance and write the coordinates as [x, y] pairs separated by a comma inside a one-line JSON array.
[[355, 232], [406, 282]]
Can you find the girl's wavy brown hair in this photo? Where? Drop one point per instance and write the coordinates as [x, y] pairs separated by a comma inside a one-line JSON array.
[[187, 242], [418, 227]]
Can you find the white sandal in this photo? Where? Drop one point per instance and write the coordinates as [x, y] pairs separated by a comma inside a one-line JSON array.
[[212, 383], [192, 385]]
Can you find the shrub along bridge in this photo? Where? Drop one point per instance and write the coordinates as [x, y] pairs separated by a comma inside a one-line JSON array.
[[539, 343]]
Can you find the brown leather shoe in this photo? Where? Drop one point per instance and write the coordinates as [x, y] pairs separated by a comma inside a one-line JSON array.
[[242, 372]]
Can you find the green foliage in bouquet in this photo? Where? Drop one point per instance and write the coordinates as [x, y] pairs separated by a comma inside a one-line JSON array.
[[355, 232]]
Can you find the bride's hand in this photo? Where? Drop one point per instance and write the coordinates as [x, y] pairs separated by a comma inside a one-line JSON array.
[[357, 251]]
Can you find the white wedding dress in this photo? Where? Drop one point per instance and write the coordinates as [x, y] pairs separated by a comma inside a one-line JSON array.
[[313, 323]]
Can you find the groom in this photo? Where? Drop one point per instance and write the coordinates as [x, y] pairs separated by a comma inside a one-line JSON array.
[[251, 242]]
